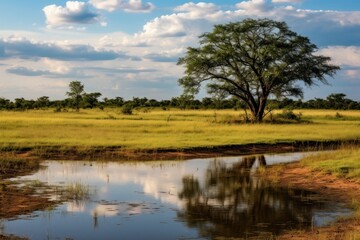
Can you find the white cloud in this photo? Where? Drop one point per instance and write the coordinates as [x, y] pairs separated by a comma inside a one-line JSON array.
[[343, 55], [125, 5], [352, 74], [73, 13], [286, 1], [197, 9], [190, 19], [255, 7]]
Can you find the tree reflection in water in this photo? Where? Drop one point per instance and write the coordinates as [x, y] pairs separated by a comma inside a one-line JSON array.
[[232, 202]]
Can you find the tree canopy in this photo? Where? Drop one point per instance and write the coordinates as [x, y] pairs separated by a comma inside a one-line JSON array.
[[253, 60], [75, 93]]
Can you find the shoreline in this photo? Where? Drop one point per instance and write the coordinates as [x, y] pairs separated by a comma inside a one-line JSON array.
[[119, 153], [24, 201], [338, 189]]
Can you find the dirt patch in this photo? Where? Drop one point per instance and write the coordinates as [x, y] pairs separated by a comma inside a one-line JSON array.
[[18, 200], [337, 189]]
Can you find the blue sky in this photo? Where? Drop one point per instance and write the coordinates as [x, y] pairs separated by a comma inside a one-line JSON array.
[[129, 48]]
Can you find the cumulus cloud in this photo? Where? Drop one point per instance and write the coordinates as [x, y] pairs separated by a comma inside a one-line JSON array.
[[286, 1], [73, 12], [255, 7], [192, 19], [26, 49], [189, 19], [343, 55], [197, 9], [125, 5]]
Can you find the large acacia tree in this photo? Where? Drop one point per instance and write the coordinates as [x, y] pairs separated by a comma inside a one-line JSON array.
[[253, 60]]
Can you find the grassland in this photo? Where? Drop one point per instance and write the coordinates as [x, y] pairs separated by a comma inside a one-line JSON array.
[[344, 163], [159, 129]]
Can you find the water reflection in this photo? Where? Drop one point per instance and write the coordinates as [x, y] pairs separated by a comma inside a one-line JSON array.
[[199, 198], [233, 202]]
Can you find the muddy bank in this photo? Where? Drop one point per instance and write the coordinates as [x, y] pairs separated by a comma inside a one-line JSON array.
[[337, 189], [119, 153], [16, 200]]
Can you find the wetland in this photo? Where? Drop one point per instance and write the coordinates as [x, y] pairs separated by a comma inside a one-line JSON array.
[[191, 199]]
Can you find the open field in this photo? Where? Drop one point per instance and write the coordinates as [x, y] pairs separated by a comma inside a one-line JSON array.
[[159, 129]]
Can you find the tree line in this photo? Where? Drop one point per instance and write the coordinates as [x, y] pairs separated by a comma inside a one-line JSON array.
[[337, 101]]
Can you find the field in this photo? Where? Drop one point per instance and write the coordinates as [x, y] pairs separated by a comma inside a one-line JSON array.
[[160, 129]]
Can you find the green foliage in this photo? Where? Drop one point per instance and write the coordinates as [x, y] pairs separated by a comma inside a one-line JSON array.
[[252, 60], [75, 93], [127, 109], [76, 192], [289, 115], [91, 100]]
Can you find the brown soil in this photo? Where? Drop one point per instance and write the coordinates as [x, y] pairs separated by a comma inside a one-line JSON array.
[[118, 153], [338, 189], [16, 201]]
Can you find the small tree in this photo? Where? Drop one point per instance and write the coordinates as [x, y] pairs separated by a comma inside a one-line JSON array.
[[253, 60], [90, 100], [75, 93]]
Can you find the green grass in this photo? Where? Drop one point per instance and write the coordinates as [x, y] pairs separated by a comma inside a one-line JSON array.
[[342, 163], [76, 192], [164, 129]]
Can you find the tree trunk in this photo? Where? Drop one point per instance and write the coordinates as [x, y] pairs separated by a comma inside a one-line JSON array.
[[258, 110]]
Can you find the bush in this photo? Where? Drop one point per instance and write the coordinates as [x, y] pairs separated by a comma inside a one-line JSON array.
[[338, 116], [127, 109], [289, 115]]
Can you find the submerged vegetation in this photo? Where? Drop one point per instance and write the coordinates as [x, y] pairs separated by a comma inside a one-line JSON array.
[[11, 166], [75, 192]]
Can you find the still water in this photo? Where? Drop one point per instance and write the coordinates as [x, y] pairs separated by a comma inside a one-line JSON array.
[[192, 199]]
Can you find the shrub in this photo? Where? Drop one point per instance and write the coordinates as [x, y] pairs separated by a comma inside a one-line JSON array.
[[127, 109], [289, 115]]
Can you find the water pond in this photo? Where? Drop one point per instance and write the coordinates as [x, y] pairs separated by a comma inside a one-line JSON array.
[[192, 199]]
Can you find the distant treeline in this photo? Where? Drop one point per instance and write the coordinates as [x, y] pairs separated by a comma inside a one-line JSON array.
[[336, 101]]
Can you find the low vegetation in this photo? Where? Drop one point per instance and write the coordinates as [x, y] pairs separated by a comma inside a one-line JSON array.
[[342, 163], [75, 192], [11, 166]]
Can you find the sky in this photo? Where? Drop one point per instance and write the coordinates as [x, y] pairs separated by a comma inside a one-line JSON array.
[[129, 48]]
